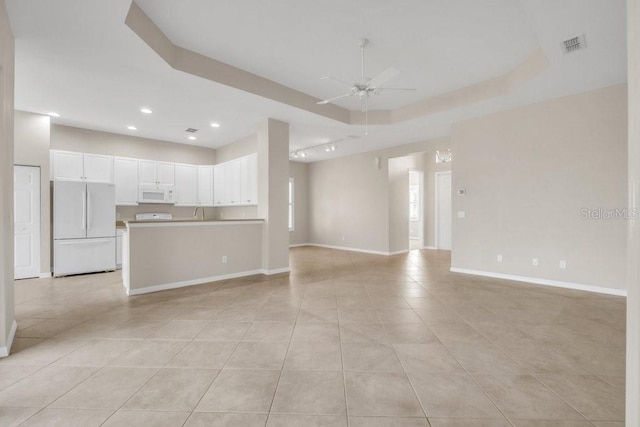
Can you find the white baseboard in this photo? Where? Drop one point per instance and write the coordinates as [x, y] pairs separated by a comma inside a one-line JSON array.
[[297, 245], [200, 281], [343, 248], [430, 247], [544, 282], [44, 275], [4, 351], [404, 251], [276, 271]]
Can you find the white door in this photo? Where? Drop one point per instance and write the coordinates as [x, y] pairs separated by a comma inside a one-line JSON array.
[[443, 210], [26, 195], [101, 210]]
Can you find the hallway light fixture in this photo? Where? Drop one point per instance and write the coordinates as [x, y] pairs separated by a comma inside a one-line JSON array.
[[443, 156]]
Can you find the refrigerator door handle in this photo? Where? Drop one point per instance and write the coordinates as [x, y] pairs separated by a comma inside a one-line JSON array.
[[84, 210], [88, 210]]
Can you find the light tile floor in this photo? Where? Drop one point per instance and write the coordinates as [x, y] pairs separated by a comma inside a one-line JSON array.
[[346, 339]]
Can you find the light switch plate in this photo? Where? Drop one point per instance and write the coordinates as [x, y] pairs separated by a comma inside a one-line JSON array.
[[461, 214]]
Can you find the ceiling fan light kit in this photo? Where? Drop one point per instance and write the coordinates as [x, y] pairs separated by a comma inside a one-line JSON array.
[[365, 87]]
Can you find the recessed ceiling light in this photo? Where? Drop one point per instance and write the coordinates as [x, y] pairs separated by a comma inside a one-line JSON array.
[[146, 110], [193, 138], [53, 114], [132, 128], [215, 125], [303, 154]]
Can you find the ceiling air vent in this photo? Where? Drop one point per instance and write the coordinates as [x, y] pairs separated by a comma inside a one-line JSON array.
[[574, 43], [191, 130]]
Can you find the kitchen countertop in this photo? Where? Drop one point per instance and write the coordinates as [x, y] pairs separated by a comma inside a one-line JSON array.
[[164, 221]]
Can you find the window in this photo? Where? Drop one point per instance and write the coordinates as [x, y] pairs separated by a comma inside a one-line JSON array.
[[291, 226], [414, 202]]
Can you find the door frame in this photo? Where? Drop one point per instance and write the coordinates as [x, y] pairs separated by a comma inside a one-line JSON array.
[[420, 209], [38, 201], [437, 200]]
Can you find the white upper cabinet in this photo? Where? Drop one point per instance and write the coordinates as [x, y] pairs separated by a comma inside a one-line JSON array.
[[205, 186], [236, 182], [186, 185], [71, 166], [126, 180], [156, 173]]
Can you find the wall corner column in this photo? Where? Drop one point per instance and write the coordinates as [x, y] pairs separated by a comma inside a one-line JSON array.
[[273, 188], [633, 260]]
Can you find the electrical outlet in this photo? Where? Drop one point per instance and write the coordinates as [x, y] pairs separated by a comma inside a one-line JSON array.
[[535, 262], [563, 264], [499, 258], [224, 259], [461, 214]]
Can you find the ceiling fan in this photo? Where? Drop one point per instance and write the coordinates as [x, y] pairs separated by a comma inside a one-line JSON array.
[[365, 87]]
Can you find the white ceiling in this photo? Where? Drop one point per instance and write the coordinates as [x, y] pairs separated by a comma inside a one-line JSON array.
[[77, 57]]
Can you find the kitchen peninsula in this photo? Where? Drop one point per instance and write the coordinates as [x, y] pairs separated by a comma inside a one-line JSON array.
[[161, 255]]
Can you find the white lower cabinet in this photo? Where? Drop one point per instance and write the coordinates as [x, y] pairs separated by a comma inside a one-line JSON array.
[[119, 233]]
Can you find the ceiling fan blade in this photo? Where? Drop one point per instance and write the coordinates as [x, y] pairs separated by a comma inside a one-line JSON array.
[[337, 80], [383, 77], [326, 101], [396, 88]]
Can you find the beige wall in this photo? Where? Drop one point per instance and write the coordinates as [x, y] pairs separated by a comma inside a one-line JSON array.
[[170, 254], [31, 147], [273, 182], [7, 313], [528, 173], [349, 197], [633, 284], [300, 174]]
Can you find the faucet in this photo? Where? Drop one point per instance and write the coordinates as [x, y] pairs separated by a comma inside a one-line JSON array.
[[195, 212]]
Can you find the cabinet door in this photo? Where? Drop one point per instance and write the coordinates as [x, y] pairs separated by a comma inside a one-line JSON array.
[[126, 180], [250, 180], [205, 185], [147, 172], [165, 173], [98, 168], [186, 185], [67, 166], [219, 190], [233, 185]]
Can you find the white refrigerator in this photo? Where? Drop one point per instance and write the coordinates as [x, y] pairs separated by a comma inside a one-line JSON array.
[[84, 227]]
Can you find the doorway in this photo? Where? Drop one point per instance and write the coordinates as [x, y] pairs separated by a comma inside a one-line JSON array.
[[416, 211], [443, 210], [26, 214]]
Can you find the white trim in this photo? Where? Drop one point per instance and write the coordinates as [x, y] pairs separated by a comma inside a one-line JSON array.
[[184, 283], [44, 275], [297, 245], [276, 271], [544, 282], [4, 351], [364, 251], [429, 247], [404, 251], [435, 214], [190, 223]]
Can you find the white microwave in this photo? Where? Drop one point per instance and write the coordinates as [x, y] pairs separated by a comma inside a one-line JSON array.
[[156, 194]]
